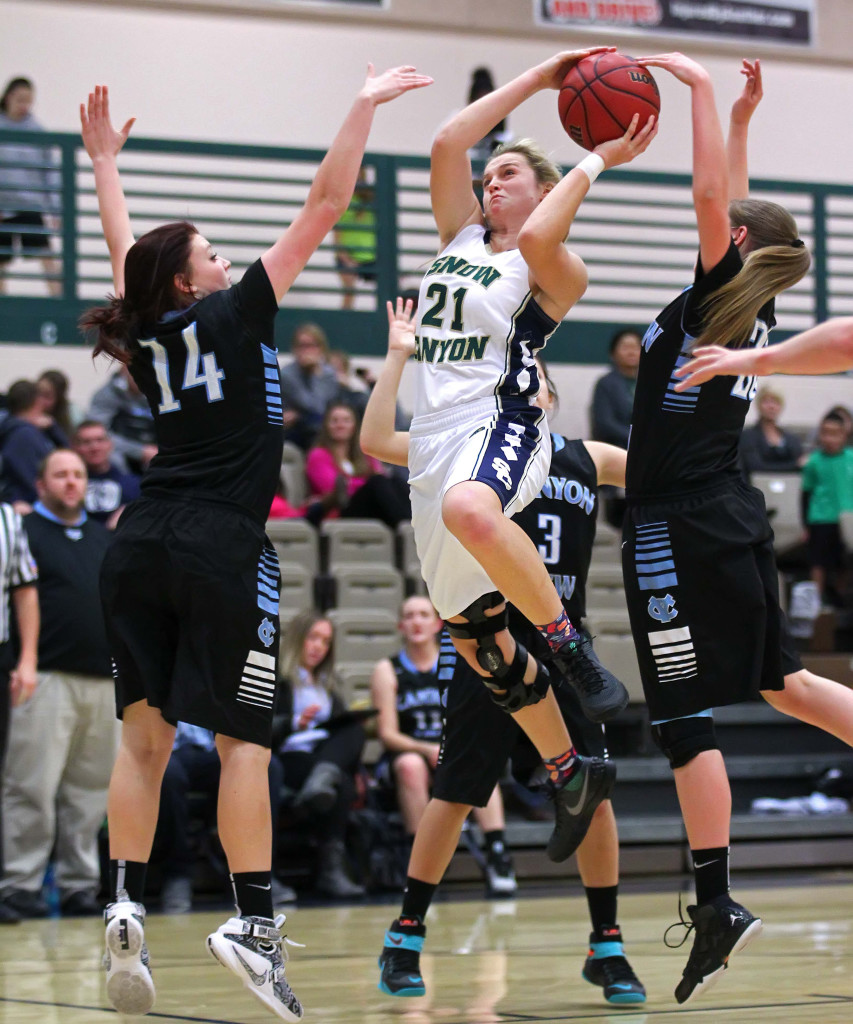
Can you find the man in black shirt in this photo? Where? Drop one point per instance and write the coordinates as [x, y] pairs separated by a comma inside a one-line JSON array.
[[63, 741]]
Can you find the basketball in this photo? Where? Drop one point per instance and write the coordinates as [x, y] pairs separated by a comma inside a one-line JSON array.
[[601, 94]]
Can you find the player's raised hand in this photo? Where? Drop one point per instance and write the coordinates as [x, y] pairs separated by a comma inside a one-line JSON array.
[[631, 144], [401, 327], [714, 361], [552, 71], [392, 83], [685, 69], [99, 136], [753, 91]]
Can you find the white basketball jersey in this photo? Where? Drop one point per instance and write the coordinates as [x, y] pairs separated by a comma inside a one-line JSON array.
[[478, 327]]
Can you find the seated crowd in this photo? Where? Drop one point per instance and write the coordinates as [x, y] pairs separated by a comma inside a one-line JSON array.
[[69, 473]]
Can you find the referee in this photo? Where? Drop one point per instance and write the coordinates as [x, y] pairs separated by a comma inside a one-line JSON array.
[[18, 577]]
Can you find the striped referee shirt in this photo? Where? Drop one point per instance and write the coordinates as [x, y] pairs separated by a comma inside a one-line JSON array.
[[17, 566]]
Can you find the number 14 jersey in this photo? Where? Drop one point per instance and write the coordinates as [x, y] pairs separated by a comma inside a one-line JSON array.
[[479, 327]]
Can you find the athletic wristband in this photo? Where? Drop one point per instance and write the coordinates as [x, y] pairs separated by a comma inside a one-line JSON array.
[[592, 166]]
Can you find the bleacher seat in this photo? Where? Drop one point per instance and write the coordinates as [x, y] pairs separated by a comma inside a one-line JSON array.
[[293, 474], [608, 620], [297, 590], [605, 598], [361, 586], [295, 541], [408, 561], [348, 541], [364, 636], [782, 494], [616, 652], [354, 681], [605, 574]]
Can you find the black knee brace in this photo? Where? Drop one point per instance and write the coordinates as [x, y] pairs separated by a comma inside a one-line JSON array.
[[505, 680], [683, 738]]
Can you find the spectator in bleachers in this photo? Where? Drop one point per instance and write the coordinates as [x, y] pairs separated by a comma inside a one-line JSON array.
[[827, 492], [318, 744], [194, 768], [27, 435], [53, 392], [109, 488], [847, 418], [63, 741], [407, 690], [482, 84], [353, 393], [612, 407], [29, 187], [766, 447], [355, 240], [308, 385], [124, 411], [336, 466]]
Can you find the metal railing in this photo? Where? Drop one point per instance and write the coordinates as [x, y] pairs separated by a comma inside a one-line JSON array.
[[636, 232]]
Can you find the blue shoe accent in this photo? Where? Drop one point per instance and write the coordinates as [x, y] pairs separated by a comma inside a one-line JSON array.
[[607, 967], [399, 961], [600, 950]]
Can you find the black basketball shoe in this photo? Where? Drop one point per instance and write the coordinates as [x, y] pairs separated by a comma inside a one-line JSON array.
[[575, 803], [607, 966], [722, 928], [600, 693], [400, 959]]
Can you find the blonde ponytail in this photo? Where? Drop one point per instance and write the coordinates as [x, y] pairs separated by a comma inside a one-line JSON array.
[[776, 260]]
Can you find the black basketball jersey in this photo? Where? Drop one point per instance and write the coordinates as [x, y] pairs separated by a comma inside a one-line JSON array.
[[210, 374], [561, 522], [419, 706], [682, 442]]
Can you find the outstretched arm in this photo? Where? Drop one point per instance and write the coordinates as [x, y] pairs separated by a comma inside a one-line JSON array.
[[710, 163], [334, 183], [378, 436], [827, 348], [558, 276], [103, 144], [609, 462], [742, 110], [454, 204]]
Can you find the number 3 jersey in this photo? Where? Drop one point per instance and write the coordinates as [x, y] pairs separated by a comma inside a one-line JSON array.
[[210, 374], [419, 708], [682, 442], [561, 522], [479, 327]]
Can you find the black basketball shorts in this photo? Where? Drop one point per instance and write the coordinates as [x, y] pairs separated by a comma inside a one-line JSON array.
[[190, 597], [703, 597], [479, 738]]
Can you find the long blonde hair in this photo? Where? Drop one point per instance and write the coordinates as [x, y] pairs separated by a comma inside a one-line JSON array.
[[776, 260], [292, 643], [546, 171]]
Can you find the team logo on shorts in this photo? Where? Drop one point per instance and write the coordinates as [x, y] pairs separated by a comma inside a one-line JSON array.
[[266, 633], [662, 609]]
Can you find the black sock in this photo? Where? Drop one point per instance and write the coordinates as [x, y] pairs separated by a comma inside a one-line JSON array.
[[711, 871], [128, 876], [417, 897], [493, 838], [602, 908], [253, 893], [561, 768]]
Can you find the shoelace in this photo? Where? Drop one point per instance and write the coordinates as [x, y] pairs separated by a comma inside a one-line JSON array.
[[616, 969], [681, 923], [404, 960], [584, 670]]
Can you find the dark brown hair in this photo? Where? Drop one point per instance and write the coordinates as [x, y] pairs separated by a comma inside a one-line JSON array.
[[361, 465], [12, 85], [150, 267]]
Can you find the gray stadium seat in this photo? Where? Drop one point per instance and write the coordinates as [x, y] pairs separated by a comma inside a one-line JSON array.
[[362, 586], [364, 636], [408, 561], [605, 598], [355, 681], [297, 590], [295, 540], [617, 654], [348, 541], [782, 494]]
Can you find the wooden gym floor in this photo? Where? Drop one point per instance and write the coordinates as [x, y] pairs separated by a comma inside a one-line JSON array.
[[488, 962]]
